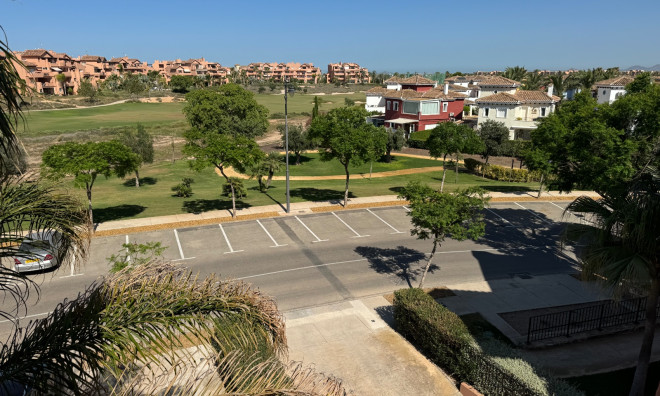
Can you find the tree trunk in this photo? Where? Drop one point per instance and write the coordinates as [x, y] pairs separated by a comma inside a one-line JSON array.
[[444, 172], [428, 263], [270, 179], [89, 207], [540, 187], [512, 161], [388, 156], [297, 157], [137, 179], [639, 380], [371, 168], [456, 175], [346, 190], [231, 186], [260, 180], [483, 169]]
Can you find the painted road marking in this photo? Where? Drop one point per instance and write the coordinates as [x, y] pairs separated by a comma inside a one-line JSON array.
[[128, 256], [386, 223], [533, 213], [406, 208], [357, 235], [269, 236], [25, 317], [503, 219], [310, 231], [178, 243], [231, 249]]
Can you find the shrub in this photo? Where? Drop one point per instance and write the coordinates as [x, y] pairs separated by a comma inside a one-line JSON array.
[[502, 173], [239, 188], [471, 164], [418, 139], [443, 337], [183, 189], [262, 89]]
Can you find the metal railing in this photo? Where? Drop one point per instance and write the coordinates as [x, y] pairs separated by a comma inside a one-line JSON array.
[[598, 316]]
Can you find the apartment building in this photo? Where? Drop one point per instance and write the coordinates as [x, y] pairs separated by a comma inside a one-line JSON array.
[[43, 68], [347, 72], [192, 67], [95, 68], [305, 73]]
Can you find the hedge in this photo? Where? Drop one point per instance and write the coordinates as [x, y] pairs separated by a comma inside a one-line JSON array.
[[502, 173], [418, 139], [443, 337]]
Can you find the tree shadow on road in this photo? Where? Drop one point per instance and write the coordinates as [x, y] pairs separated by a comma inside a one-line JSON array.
[[399, 261], [319, 194], [205, 205]]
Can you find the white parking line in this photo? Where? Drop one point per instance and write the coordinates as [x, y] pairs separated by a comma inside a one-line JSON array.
[[178, 242], [532, 212], [70, 276], [503, 219], [24, 317], [357, 235], [310, 231], [269, 236], [386, 223], [128, 256], [552, 203], [406, 208], [231, 249]]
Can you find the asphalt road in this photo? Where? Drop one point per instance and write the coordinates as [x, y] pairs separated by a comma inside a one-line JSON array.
[[310, 260]]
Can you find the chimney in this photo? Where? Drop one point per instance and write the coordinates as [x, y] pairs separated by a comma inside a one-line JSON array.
[[551, 89], [446, 89]]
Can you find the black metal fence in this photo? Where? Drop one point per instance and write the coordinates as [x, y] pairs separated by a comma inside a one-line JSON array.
[[598, 316]]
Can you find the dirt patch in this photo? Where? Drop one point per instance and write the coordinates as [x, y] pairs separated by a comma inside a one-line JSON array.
[[163, 99]]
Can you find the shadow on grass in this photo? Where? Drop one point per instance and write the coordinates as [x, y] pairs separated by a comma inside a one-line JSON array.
[[292, 159], [401, 261], [508, 188], [197, 206], [316, 194], [144, 181], [117, 212]]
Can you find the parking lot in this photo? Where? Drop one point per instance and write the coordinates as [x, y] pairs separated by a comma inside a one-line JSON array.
[[236, 238]]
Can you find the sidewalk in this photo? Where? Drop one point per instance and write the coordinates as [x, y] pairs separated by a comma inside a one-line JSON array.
[[218, 216], [351, 341], [591, 356]]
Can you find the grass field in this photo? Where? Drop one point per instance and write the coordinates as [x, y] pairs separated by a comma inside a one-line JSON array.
[[40, 123], [311, 165], [118, 199]]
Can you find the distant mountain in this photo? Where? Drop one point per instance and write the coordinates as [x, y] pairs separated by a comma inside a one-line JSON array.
[[638, 67]]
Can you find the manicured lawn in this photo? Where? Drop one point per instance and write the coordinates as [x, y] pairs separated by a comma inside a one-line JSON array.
[[51, 122], [311, 165], [118, 199], [40, 123]]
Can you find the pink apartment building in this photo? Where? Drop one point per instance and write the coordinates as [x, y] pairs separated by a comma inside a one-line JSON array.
[[42, 68], [192, 67], [306, 73], [347, 72]]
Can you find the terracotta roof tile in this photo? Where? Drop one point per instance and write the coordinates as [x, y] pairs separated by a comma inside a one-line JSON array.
[[499, 81], [393, 79], [378, 90], [620, 81], [518, 98], [454, 87], [417, 80], [37, 52], [92, 58], [501, 97], [436, 93]]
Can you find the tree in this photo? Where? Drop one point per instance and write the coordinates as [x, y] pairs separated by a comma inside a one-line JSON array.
[[134, 84], [222, 151], [344, 134], [87, 90], [395, 141], [268, 166], [621, 248], [516, 73], [227, 109], [315, 109], [348, 102], [298, 139], [494, 135], [557, 81], [532, 81], [449, 138], [85, 161], [61, 78], [539, 160], [141, 143], [181, 84], [435, 215], [113, 83]]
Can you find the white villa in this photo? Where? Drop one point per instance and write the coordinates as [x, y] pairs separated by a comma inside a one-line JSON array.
[[518, 110], [607, 91]]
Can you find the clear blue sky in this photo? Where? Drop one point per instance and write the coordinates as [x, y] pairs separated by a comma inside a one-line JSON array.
[[420, 36]]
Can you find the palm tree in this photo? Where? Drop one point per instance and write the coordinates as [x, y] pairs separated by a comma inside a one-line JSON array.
[[532, 81], [516, 73], [557, 81], [622, 248]]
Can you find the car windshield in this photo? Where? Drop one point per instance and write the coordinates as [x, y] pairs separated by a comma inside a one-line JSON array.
[[35, 245]]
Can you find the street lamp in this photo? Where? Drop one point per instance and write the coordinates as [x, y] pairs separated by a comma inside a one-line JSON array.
[[287, 90]]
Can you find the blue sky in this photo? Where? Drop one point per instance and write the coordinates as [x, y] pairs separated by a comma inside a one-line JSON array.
[[420, 36]]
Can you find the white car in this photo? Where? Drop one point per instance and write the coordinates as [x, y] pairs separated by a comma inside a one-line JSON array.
[[39, 251]]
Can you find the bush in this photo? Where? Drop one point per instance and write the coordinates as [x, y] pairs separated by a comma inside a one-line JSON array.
[[418, 139], [443, 337], [183, 189], [239, 188], [502, 173]]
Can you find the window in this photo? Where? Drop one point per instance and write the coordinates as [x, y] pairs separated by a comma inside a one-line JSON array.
[[501, 112], [486, 112], [542, 111], [604, 92], [396, 106], [389, 105], [445, 106], [429, 108], [411, 107]]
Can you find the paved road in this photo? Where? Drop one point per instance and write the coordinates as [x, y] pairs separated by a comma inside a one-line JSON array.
[[310, 260]]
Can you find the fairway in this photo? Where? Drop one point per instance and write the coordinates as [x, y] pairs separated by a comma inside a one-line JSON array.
[[52, 122]]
